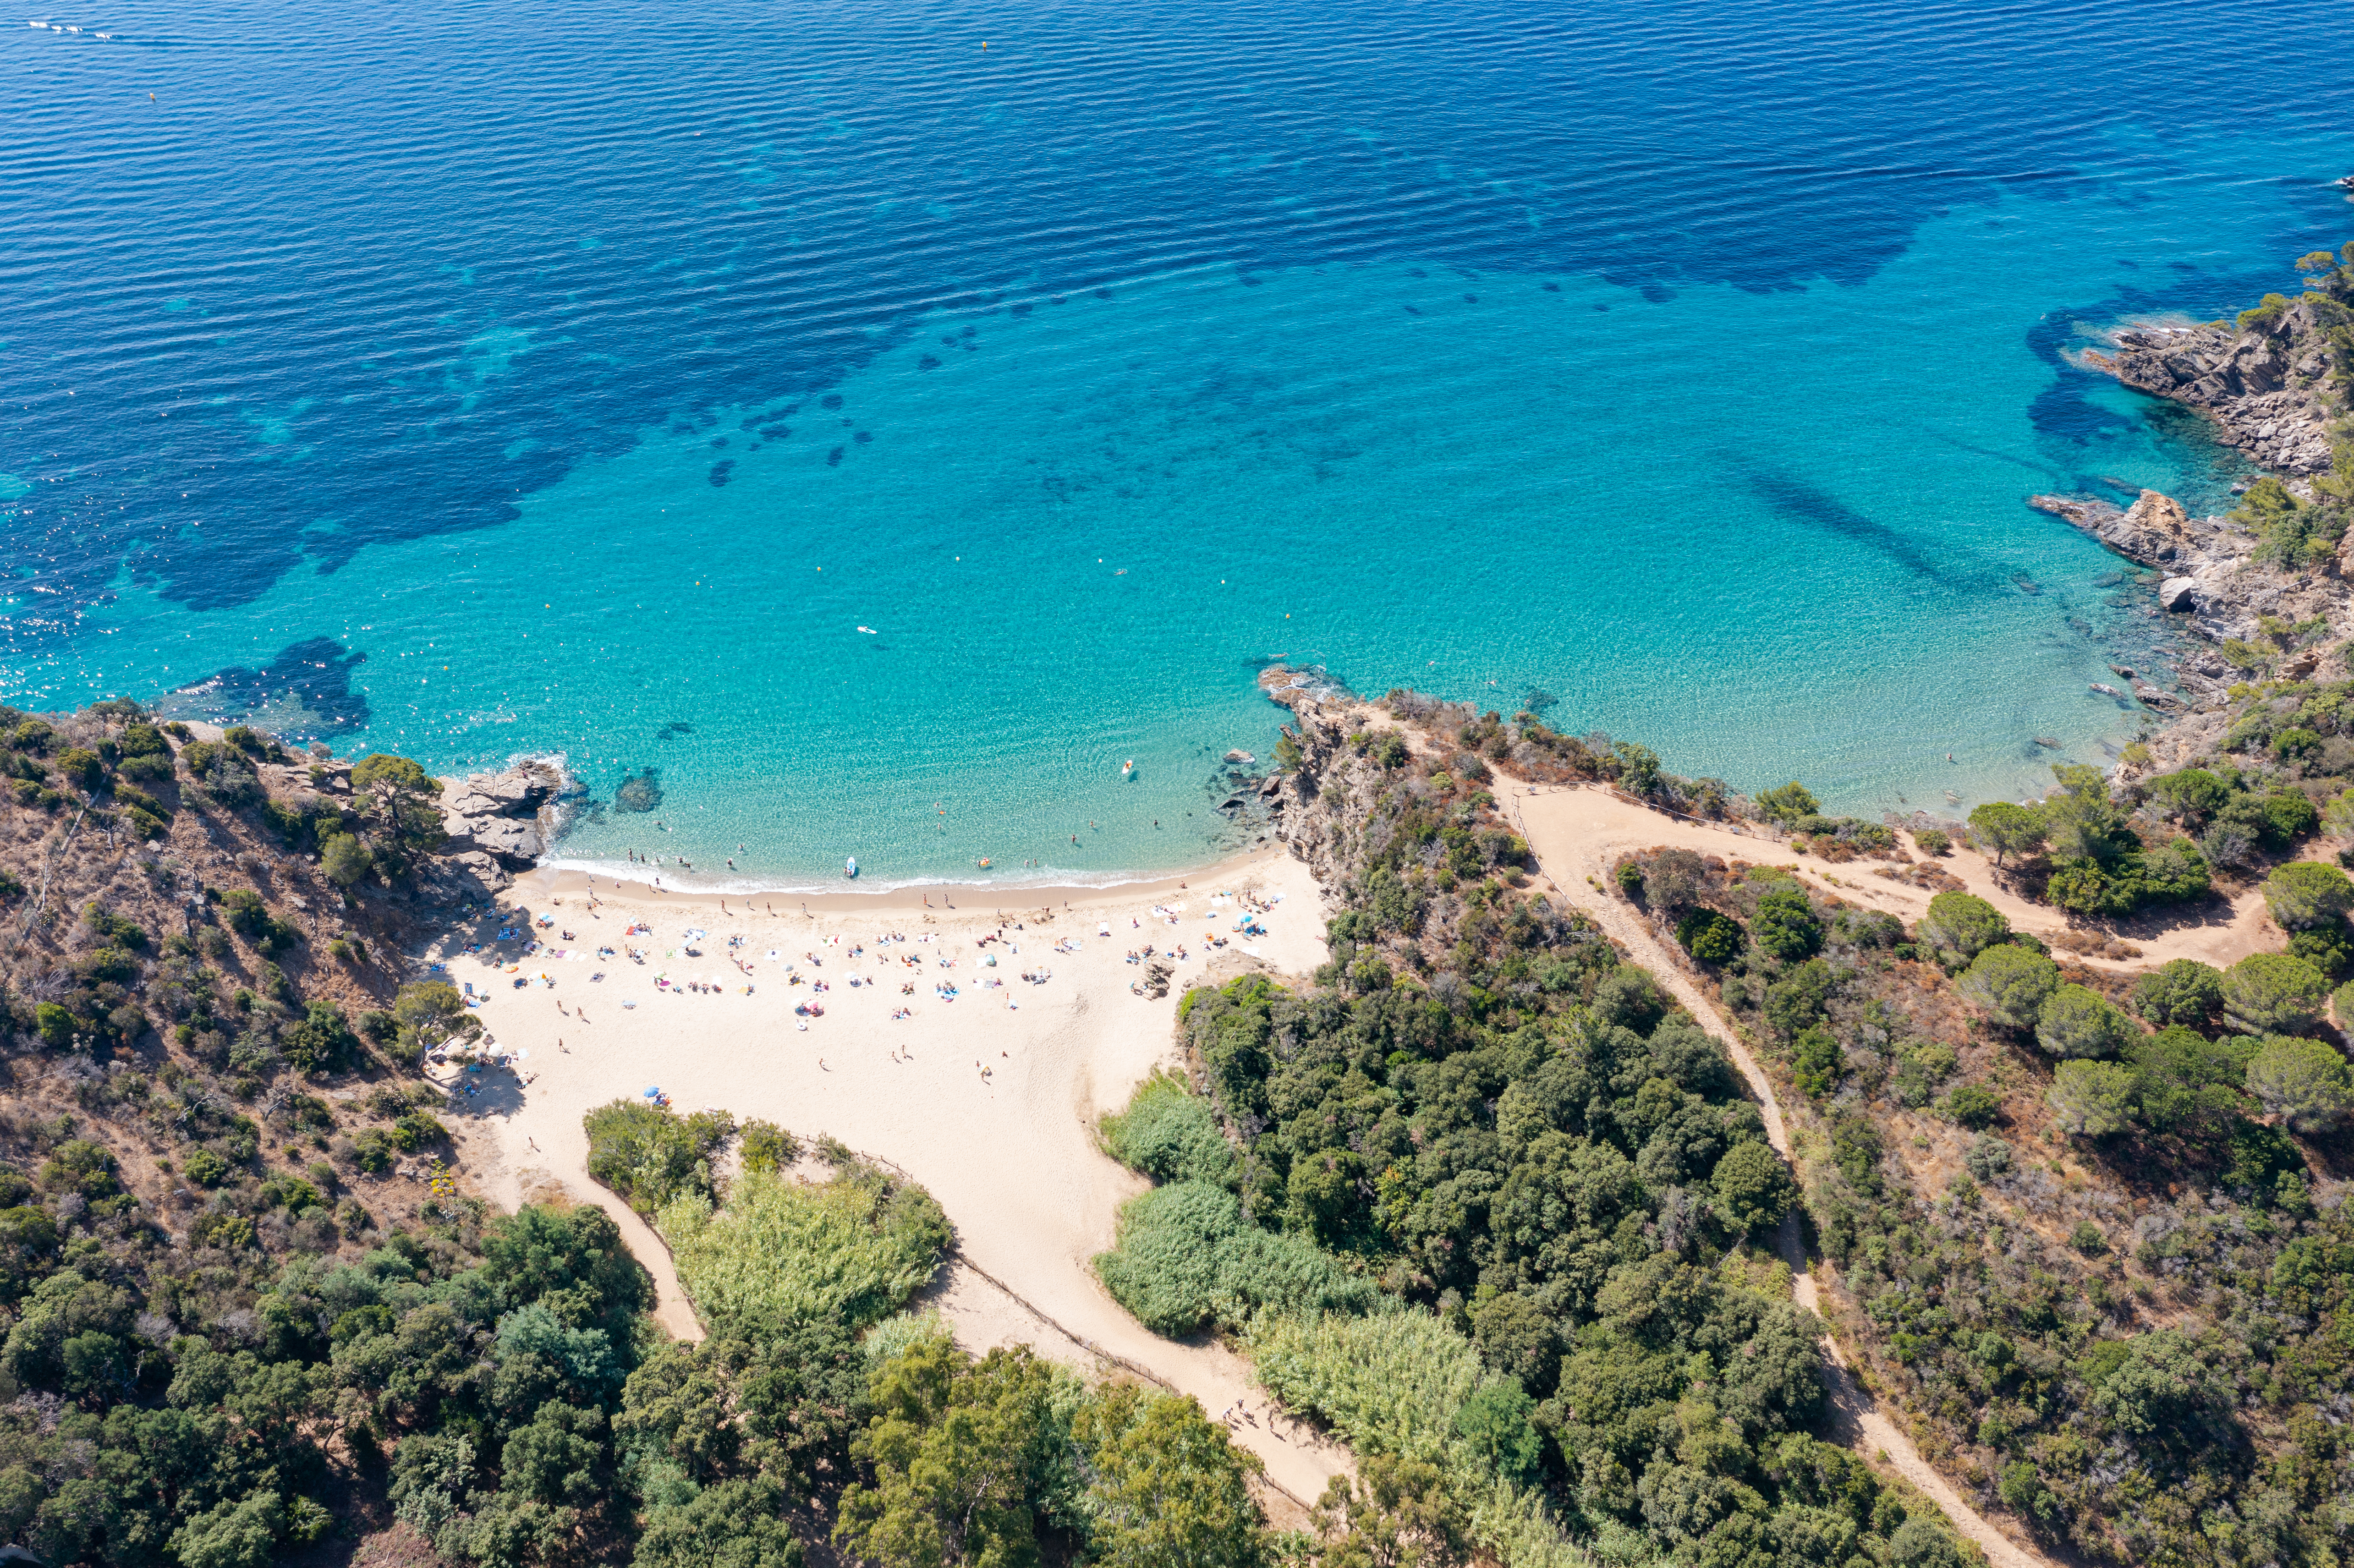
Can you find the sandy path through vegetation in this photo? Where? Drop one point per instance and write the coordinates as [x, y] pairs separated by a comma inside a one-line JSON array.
[[1578, 833], [1009, 1151], [1612, 826]]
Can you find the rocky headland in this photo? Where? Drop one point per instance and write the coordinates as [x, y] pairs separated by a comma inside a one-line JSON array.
[[2211, 579], [2274, 383], [2264, 380]]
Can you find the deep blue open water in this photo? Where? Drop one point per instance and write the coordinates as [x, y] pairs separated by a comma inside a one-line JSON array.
[[500, 376]]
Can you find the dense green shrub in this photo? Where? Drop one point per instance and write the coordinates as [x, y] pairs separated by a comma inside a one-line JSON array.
[[1709, 936], [1185, 1259], [765, 1146], [1972, 1105], [1170, 1134], [1816, 1061], [650, 1156], [1784, 925], [848, 1251], [80, 768], [1391, 1383]]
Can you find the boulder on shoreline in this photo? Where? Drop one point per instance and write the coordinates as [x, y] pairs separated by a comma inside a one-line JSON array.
[[507, 816]]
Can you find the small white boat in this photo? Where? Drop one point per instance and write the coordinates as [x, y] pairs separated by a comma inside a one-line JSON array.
[[870, 631], [1128, 769], [850, 868]]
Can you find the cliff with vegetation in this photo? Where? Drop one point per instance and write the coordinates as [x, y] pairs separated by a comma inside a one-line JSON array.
[[250, 1311]]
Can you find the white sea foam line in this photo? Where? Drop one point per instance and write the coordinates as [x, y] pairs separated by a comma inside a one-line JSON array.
[[622, 871]]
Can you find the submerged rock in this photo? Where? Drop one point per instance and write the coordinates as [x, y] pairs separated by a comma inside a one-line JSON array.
[[638, 793]]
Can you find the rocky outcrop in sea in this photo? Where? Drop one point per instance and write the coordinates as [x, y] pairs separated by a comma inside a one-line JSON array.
[[2263, 385]]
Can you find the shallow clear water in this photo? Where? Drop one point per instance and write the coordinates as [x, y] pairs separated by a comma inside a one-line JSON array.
[[470, 382]]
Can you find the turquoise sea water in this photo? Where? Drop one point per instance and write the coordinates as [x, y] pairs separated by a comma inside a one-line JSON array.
[[1764, 513]]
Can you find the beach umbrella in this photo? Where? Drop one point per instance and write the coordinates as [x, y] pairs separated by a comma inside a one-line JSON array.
[[654, 1094]]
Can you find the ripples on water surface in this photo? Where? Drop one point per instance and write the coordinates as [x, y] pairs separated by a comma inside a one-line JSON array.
[[494, 377]]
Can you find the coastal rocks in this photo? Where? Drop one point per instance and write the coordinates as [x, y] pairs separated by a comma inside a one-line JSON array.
[[2259, 384], [2154, 531], [1317, 802], [2210, 577], [468, 878], [507, 817]]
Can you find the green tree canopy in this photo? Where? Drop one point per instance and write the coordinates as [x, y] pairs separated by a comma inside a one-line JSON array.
[[1753, 1188], [1787, 804], [430, 1013], [1401, 1513], [2307, 892], [1963, 924], [2093, 1099], [345, 859], [2011, 983], [2076, 1022], [2164, 1386], [1169, 1488], [957, 1447], [1496, 1424], [2008, 829], [2273, 993], [2082, 821], [2193, 794], [2181, 990], [2304, 1083], [737, 1523], [400, 798]]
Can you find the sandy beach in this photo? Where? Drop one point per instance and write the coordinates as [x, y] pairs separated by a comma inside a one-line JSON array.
[[989, 1099]]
